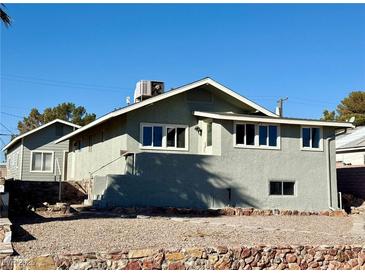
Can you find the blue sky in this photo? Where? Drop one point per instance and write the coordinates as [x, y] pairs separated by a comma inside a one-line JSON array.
[[94, 54]]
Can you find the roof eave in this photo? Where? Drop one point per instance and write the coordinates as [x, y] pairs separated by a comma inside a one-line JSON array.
[[37, 129], [167, 95], [274, 120]]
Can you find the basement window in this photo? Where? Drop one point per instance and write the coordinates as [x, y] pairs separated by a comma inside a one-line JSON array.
[[282, 188], [161, 136], [42, 161]]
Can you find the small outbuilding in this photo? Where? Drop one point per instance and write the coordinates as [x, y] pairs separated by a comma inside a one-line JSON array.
[[33, 156]]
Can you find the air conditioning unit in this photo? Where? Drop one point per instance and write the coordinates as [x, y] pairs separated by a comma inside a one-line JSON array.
[[147, 89]]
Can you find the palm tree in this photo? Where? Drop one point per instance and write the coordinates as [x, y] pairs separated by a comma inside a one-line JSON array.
[[5, 18]]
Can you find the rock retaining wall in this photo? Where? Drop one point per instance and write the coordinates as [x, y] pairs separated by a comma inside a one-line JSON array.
[[255, 257], [227, 211]]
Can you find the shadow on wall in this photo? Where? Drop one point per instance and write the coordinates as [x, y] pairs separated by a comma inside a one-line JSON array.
[[174, 180]]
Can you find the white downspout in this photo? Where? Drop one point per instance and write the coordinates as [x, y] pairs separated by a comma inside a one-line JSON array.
[[21, 160], [329, 174], [330, 206]]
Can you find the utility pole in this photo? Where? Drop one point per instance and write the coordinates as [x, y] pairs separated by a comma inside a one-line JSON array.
[[279, 108]]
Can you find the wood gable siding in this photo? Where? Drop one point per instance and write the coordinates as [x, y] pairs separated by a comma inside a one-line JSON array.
[[43, 140], [14, 153]]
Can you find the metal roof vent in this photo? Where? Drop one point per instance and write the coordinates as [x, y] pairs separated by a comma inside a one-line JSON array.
[[146, 89]]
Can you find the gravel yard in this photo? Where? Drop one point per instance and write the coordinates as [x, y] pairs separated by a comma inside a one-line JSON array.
[[95, 233]]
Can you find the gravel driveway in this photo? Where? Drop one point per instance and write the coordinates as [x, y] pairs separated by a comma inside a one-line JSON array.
[[92, 233]]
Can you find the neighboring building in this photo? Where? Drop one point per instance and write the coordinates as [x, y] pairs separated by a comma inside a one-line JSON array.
[[33, 156], [2, 170], [350, 147], [204, 146]]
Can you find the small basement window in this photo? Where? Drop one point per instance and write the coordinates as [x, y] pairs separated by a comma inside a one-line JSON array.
[[311, 138], [282, 188], [42, 161]]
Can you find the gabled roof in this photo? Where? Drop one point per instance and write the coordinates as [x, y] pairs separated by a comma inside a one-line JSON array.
[[273, 120], [205, 81], [37, 129], [352, 139]]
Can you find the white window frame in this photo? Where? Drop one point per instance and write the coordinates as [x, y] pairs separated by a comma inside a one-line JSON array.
[[282, 195], [310, 148], [164, 137], [41, 171], [256, 140]]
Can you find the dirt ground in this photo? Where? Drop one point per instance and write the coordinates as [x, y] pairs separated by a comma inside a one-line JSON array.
[[97, 232]]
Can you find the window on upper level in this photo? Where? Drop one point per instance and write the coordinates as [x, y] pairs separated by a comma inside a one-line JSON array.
[[163, 136], [256, 135], [311, 138]]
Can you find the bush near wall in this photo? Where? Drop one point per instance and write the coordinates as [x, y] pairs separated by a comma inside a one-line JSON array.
[[253, 257]]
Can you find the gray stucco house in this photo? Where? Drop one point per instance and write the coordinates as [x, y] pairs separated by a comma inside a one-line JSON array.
[[204, 146], [33, 156]]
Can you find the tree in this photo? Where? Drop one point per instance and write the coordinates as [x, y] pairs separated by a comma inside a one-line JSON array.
[[65, 111], [328, 115], [5, 18], [351, 106]]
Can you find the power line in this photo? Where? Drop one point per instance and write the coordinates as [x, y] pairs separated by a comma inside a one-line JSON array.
[[6, 128], [57, 83], [2, 141], [9, 114]]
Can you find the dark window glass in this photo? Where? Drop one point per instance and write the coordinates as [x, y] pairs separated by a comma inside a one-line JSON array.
[[306, 137], [209, 134], [288, 188], [262, 135], [147, 136], [240, 134], [157, 136], [181, 137], [250, 134], [170, 137], [275, 188], [315, 137], [273, 134]]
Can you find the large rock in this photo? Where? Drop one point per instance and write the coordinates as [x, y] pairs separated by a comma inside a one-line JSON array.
[[141, 253]]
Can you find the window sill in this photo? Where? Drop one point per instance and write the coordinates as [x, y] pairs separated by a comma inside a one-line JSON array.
[[163, 149], [311, 149], [39, 171], [282, 196], [257, 147]]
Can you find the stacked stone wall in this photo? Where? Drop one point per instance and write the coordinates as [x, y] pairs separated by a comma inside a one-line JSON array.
[[247, 257]]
